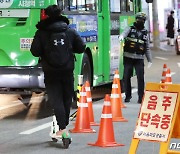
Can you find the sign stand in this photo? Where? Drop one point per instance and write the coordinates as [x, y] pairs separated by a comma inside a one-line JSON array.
[[158, 119]]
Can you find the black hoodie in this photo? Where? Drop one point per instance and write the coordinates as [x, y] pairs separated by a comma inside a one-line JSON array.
[[41, 38], [53, 24]]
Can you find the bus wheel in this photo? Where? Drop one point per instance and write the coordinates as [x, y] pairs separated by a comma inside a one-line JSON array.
[[86, 69], [87, 75]]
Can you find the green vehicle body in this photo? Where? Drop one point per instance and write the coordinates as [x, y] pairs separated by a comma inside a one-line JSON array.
[[16, 35]]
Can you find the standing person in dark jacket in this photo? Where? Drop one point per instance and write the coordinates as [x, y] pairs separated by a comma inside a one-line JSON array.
[[170, 28], [59, 83], [136, 46]]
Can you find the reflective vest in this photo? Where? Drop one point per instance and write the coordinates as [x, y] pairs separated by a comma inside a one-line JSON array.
[[136, 41]]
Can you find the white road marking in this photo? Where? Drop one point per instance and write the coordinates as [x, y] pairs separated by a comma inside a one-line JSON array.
[[33, 130], [161, 58], [178, 64]]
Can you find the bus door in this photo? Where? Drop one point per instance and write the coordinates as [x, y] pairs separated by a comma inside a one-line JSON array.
[[121, 17], [114, 37], [104, 39]]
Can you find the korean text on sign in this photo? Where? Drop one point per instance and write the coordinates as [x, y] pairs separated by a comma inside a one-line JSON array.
[[25, 43], [155, 116]]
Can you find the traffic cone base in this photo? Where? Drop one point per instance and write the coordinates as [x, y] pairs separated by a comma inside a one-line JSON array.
[[119, 119], [92, 124], [82, 130], [123, 106], [110, 144]]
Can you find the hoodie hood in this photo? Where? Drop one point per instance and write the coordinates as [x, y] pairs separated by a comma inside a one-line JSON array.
[[57, 24]]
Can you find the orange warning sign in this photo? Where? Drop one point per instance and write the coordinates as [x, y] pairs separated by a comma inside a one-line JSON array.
[[156, 116], [158, 119]]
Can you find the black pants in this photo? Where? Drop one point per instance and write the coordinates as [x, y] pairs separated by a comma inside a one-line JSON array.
[[129, 64], [60, 92]]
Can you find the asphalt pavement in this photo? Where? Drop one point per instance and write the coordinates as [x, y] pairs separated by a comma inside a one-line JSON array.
[[31, 136]]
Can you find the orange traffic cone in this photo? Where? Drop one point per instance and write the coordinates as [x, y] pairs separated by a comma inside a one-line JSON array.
[[82, 124], [168, 79], [115, 104], [164, 73], [116, 77], [90, 107], [106, 130]]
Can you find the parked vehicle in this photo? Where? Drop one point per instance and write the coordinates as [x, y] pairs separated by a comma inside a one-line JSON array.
[[177, 43]]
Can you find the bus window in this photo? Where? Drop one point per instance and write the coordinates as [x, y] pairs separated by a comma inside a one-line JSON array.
[[138, 5], [86, 5], [126, 5], [73, 5], [60, 3], [64, 5], [115, 6], [129, 5], [81, 5], [99, 6], [123, 5], [90, 5]]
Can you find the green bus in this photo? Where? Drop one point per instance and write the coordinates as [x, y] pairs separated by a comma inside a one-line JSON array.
[[99, 22]]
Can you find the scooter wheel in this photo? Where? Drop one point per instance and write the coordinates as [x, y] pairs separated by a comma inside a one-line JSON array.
[[66, 142]]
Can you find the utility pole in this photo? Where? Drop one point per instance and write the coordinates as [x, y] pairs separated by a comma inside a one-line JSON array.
[[156, 40]]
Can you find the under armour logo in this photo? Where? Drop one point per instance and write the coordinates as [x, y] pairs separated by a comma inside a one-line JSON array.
[[56, 42]]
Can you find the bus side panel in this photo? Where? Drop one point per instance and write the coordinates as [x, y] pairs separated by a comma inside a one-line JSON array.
[[21, 35], [5, 60], [21, 4]]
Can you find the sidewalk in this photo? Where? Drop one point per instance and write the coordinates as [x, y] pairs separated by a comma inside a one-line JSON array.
[[164, 47]]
